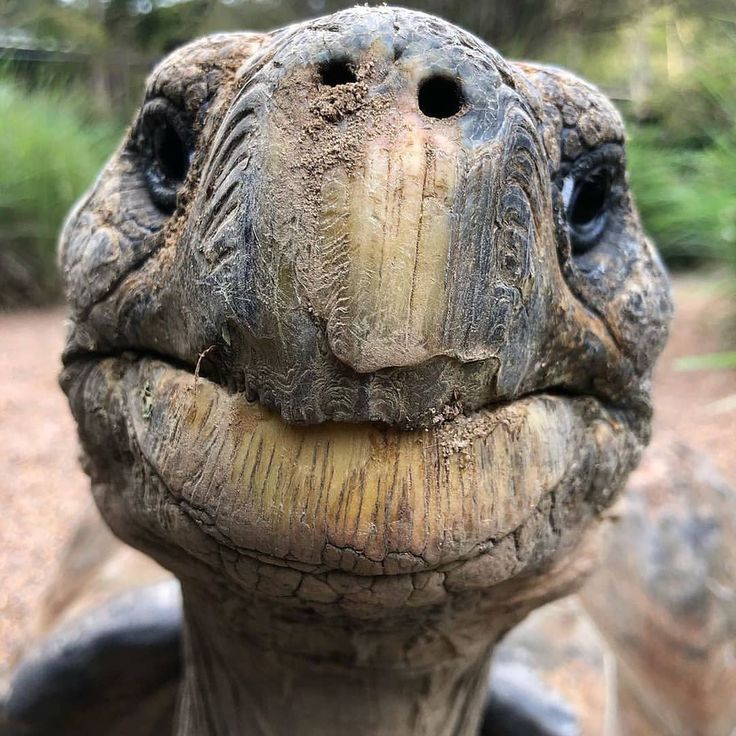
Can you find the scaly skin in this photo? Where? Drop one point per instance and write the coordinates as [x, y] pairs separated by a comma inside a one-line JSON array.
[[362, 377]]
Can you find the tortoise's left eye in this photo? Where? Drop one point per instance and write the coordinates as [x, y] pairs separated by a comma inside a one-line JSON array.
[[587, 200], [165, 144]]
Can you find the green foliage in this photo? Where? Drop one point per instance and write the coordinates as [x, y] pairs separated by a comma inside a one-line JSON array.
[[694, 101], [687, 197], [683, 159], [55, 23], [50, 153], [714, 361], [523, 27]]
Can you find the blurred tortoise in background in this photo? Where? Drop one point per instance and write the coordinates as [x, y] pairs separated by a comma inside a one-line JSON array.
[[362, 327]]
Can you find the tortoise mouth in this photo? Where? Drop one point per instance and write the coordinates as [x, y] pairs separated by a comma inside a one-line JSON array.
[[472, 501]]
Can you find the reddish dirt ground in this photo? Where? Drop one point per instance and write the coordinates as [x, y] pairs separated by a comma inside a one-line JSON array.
[[696, 406], [42, 489], [44, 493]]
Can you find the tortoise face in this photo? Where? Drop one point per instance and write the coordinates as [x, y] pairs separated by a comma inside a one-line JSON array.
[[372, 217]]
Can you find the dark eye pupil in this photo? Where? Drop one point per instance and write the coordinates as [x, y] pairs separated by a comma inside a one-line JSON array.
[[590, 199], [170, 151]]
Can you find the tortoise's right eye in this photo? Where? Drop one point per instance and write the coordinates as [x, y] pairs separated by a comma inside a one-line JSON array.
[[166, 146]]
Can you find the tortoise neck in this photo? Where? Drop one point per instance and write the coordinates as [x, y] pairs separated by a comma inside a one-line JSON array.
[[272, 674]]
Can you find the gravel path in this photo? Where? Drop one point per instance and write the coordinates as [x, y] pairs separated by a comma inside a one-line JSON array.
[[42, 489], [44, 493]]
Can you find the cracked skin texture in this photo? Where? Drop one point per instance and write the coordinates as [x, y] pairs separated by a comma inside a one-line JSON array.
[[389, 502], [358, 374]]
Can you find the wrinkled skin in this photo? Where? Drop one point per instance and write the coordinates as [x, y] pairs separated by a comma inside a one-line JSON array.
[[362, 325]]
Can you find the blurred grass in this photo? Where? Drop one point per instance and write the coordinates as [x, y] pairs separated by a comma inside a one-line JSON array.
[[51, 149], [682, 161], [712, 361], [686, 197]]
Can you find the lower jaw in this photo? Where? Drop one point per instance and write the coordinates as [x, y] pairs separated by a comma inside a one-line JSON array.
[[357, 519]]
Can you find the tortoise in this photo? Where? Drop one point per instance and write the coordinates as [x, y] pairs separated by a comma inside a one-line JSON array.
[[362, 325]]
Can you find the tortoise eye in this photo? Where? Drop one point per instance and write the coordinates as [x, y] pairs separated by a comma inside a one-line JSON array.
[[170, 152], [587, 200], [165, 144]]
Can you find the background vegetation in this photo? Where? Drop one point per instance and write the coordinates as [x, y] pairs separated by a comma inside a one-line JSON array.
[[49, 153], [72, 73]]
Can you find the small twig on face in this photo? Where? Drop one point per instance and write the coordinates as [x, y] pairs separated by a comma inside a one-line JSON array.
[[201, 357]]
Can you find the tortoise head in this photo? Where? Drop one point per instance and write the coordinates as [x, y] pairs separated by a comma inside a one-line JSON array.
[[361, 300]]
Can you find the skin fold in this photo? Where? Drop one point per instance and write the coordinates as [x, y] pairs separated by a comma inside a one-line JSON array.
[[362, 327]]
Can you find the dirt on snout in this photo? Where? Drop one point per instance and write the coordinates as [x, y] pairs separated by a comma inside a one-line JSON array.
[[43, 492]]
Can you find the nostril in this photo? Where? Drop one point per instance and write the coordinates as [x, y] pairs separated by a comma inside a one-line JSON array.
[[440, 97], [337, 72]]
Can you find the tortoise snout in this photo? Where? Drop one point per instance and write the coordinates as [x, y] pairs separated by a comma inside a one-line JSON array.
[[409, 61], [397, 139]]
